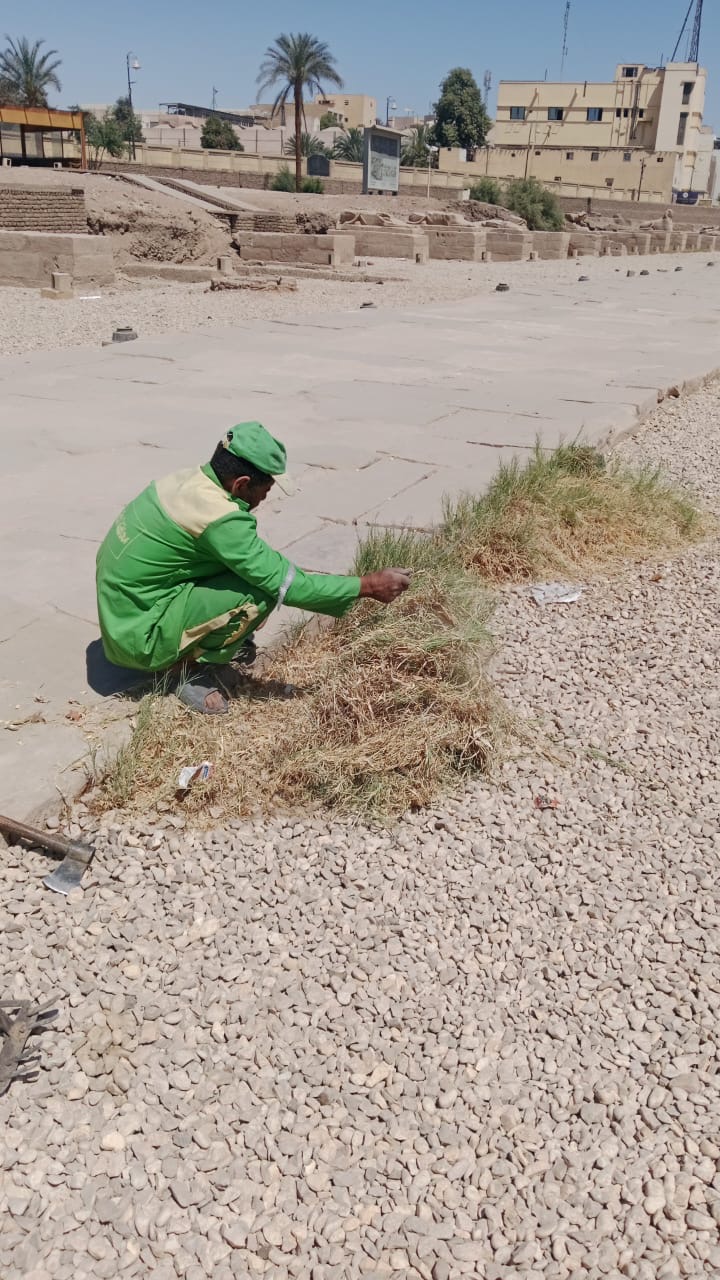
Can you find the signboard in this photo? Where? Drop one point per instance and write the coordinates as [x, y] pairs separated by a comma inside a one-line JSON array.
[[381, 162]]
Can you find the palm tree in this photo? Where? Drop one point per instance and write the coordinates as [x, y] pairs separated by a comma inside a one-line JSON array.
[[296, 63], [310, 145], [350, 146], [27, 73], [416, 152]]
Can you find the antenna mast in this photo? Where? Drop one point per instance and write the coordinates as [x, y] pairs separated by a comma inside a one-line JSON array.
[[487, 86], [694, 50], [566, 21]]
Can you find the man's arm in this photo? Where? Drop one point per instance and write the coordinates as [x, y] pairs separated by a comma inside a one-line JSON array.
[[235, 543]]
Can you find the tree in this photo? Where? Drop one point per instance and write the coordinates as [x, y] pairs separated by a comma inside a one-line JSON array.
[[103, 135], [488, 190], [350, 146], [26, 74], [296, 63], [329, 120], [130, 124], [460, 116], [219, 135], [416, 153], [532, 201], [310, 145]]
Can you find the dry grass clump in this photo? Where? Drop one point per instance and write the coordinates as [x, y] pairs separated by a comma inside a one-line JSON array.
[[392, 707], [563, 511]]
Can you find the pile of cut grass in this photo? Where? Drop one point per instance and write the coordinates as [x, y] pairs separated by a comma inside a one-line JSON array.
[[393, 705], [565, 511]]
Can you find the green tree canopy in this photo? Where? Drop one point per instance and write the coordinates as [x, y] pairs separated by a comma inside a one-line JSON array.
[[310, 145], [329, 120], [296, 63], [416, 153], [103, 136], [130, 124], [26, 74], [460, 116], [350, 146], [219, 135], [539, 207]]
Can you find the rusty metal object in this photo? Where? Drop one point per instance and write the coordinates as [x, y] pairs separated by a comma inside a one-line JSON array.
[[16, 1059], [76, 857]]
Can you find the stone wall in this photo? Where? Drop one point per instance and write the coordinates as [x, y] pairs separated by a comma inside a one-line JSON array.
[[683, 214], [387, 242], [330, 250], [43, 209], [28, 259]]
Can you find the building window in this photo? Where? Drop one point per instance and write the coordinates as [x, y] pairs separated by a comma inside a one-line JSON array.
[[555, 113], [626, 112], [682, 127], [569, 155], [618, 113], [538, 153], [660, 159], [629, 73], [594, 114], [517, 113], [609, 182], [594, 155], [627, 155], [641, 112], [557, 179], [687, 90]]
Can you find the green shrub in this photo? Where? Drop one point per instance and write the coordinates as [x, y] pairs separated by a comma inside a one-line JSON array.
[[284, 180], [313, 186], [488, 190], [532, 201]]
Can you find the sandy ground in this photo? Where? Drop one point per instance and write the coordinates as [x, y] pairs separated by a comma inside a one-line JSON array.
[[483, 1044], [30, 323]]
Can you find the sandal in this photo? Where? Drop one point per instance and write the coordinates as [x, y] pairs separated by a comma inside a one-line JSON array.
[[195, 692]]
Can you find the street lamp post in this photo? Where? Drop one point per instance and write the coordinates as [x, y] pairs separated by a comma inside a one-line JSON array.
[[131, 66], [389, 102], [430, 151]]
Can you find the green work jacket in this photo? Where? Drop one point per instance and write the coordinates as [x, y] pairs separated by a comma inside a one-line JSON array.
[[179, 533]]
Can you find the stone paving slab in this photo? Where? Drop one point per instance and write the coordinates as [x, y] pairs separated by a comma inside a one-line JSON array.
[[383, 412]]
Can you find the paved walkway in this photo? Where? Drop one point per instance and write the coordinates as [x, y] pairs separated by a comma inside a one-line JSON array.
[[382, 412]]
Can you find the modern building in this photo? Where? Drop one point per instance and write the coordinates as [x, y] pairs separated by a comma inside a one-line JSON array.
[[655, 110], [352, 110]]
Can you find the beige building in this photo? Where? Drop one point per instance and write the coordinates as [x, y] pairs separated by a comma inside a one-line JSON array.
[[353, 110], [658, 110], [608, 173]]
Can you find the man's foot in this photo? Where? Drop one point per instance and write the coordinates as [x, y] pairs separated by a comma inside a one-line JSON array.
[[200, 694]]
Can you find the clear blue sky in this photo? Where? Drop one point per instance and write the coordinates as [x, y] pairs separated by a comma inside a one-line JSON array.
[[403, 49]]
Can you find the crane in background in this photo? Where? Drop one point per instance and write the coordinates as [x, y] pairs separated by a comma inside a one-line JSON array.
[[693, 47]]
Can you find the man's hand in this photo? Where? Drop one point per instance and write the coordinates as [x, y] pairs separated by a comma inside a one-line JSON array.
[[386, 585]]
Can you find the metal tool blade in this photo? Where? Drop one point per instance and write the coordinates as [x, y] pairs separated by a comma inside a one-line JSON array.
[[76, 857], [67, 876]]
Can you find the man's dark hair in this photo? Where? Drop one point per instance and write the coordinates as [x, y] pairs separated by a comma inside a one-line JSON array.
[[228, 468]]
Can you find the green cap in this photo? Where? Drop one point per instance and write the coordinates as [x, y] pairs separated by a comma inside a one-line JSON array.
[[250, 440]]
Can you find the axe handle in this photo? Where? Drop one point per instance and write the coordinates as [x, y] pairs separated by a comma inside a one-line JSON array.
[[58, 845]]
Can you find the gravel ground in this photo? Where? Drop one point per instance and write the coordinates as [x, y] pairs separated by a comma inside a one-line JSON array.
[[31, 323], [485, 1044]]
